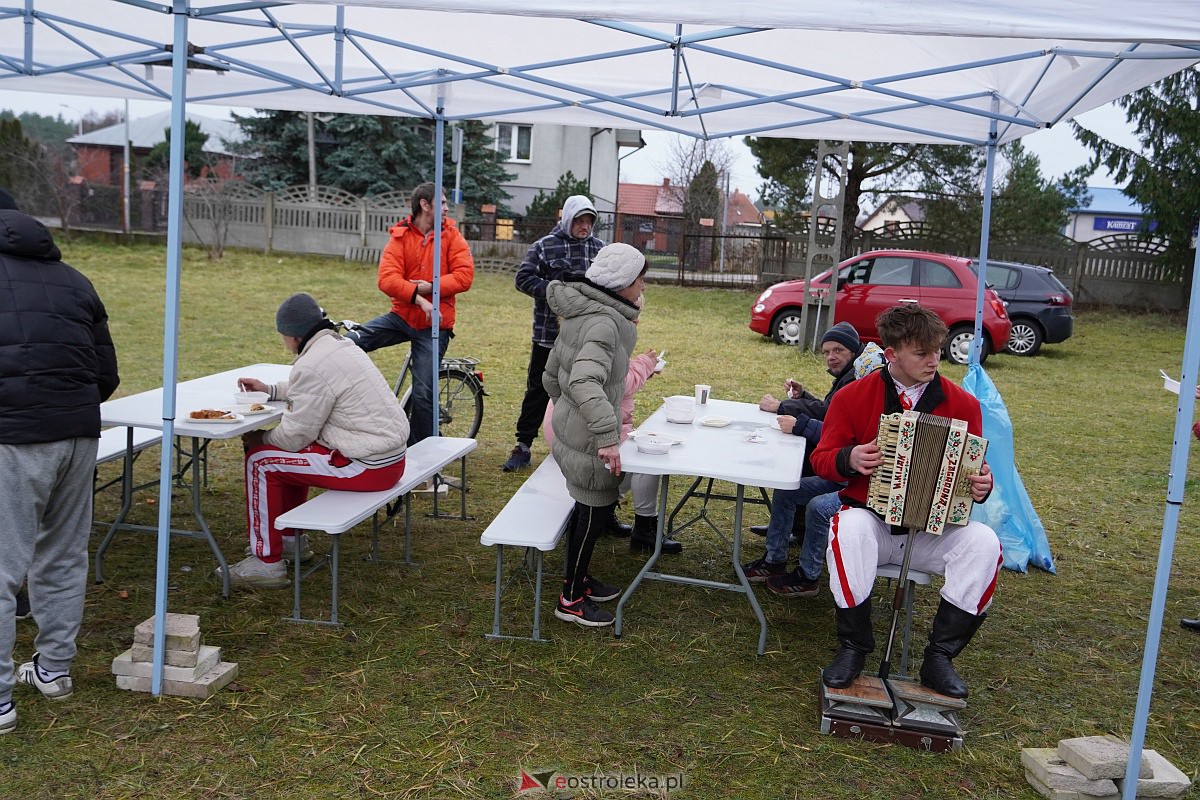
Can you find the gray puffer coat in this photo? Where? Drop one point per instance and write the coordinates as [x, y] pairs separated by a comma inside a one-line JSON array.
[[585, 376]]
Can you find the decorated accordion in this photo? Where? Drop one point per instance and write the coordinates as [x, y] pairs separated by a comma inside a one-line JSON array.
[[922, 482]]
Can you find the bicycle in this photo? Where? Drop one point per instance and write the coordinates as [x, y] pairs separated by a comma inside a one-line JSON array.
[[460, 392]]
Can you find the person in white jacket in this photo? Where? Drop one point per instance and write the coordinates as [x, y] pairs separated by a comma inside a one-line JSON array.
[[343, 429]]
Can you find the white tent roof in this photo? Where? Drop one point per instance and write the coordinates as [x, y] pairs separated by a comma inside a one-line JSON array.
[[862, 70]]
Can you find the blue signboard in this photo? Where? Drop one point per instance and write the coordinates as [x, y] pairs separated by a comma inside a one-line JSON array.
[[1116, 224]]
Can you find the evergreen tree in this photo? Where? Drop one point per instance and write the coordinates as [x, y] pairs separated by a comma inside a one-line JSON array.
[[1025, 205], [1163, 176], [22, 159], [875, 168], [547, 206], [195, 159], [366, 155]]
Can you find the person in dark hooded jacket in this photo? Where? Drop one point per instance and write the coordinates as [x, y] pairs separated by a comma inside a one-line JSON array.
[[566, 250], [57, 364]]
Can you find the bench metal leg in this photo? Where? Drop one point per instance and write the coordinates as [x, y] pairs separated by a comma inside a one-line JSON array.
[[538, 560], [299, 573]]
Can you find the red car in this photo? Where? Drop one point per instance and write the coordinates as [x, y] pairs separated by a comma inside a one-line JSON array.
[[880, 279]]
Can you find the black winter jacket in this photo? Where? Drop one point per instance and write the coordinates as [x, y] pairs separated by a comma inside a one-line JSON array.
[[57, 361]]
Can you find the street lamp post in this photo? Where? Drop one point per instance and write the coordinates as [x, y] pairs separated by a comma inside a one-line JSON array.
[[79, 125]]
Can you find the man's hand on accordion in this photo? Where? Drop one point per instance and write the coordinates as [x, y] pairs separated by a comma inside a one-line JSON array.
[[981, 484], [866, 458]]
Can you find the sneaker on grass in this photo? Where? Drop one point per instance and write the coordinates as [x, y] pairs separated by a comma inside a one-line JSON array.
[[760, 569], [583, 612], [794, 584], [599, 591], [54, 685], [289, 548], [517, 459], [258, 574], [23, 609], [8, 717]]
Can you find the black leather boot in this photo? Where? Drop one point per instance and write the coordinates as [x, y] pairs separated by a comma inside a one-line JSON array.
[[952, 630], [857, 640], [645, 530], [617, 528]]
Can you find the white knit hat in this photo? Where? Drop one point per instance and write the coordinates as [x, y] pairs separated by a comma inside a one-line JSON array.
[[616, 266]]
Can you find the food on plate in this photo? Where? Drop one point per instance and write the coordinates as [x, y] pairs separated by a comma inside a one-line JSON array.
[[210, 413], [257, 407]]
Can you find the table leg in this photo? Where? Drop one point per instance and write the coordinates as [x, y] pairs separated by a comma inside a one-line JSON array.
[[198, 515], [126, 504], [737, 567], [658, 540]]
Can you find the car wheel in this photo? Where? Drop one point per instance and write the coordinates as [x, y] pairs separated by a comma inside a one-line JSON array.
[[958, 345], [785, 329], [1026, 337]]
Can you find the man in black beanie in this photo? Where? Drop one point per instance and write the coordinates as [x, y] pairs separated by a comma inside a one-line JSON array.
[[801, 414], [57, 364], [343, 429]]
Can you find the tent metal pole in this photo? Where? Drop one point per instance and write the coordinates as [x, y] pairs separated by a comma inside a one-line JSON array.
[[985, 230], [439, 143], [179, 55], [1166, 548]]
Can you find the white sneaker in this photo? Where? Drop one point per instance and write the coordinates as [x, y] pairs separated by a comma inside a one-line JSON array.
[[289, 551], [258, 574], [58, 689], [8, 720]]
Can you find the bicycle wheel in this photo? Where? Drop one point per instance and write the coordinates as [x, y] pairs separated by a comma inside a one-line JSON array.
[[460, 401]]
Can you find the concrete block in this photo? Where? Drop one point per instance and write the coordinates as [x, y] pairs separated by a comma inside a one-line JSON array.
[[125, 665], [206, 686], [1055, 773], [1166, 781], [1099, 757], [183, 632], [1063, 794], [175, 658]]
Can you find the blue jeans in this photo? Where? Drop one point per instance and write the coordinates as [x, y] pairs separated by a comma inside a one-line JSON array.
[[817, 517], [784, 503], [389, 329]]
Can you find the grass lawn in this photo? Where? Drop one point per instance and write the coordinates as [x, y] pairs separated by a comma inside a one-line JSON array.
[[409, 700]]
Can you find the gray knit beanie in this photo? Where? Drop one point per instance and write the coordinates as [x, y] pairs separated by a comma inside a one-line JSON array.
[[616, 266], [298, 315], [844, 334]]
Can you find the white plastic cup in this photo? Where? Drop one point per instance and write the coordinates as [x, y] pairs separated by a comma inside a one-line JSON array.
[[702, 392]]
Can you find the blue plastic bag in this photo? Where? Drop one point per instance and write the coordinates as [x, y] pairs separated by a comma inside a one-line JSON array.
[[1008, 511]]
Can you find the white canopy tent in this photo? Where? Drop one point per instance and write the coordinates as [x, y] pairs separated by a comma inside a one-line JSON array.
[[974, 72]]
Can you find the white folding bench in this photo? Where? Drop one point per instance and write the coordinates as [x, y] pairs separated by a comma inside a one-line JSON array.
[[336, 512], [115, 441], [915, 576], [534, 518]]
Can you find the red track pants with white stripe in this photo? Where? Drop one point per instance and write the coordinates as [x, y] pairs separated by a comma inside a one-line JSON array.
[[278, 480], [859, 541]]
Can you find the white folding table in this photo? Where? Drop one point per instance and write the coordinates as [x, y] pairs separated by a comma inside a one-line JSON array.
[[145, 410], [721, 453]]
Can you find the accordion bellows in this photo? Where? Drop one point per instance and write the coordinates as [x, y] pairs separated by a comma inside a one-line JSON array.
[[922, 482]]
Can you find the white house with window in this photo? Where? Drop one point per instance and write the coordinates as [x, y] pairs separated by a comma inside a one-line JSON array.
[[539, 154]]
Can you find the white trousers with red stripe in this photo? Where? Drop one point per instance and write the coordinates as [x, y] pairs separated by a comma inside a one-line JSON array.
[[278, 480], [969, 556]]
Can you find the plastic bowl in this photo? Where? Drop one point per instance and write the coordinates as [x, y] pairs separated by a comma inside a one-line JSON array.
[[250, 398], [680, 409], [653, 445]]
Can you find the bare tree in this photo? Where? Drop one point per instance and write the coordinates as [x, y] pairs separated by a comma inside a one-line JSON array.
[[687, 156]]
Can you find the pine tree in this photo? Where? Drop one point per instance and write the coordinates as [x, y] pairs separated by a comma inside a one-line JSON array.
[[1163, 176]]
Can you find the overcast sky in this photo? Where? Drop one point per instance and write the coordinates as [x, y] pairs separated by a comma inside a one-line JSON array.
[[1056, 148]]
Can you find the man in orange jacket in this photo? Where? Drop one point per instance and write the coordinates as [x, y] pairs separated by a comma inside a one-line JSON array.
[[406, 276]]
